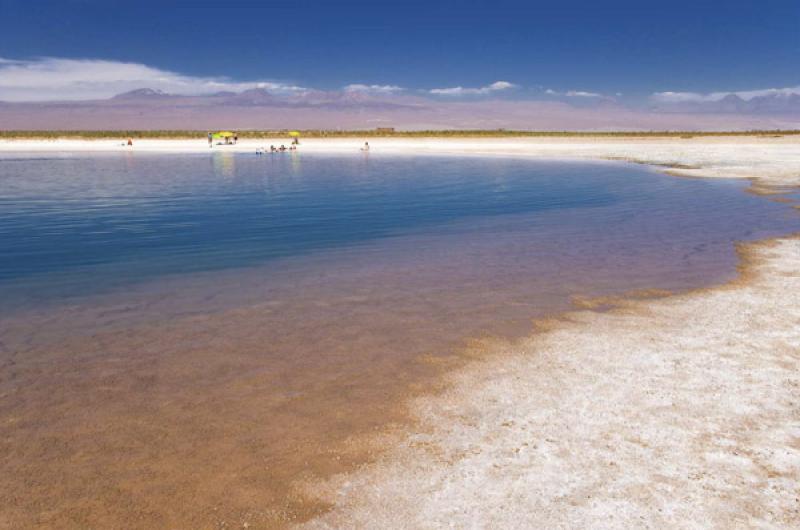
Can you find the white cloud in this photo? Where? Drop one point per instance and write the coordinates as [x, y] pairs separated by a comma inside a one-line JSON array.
[[575, 94], [378, 89], [51, 78], [697, 97], [582, 94], [461, 91]]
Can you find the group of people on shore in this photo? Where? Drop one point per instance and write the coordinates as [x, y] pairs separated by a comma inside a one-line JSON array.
[[281, 149], [273, 149], [261, 150]]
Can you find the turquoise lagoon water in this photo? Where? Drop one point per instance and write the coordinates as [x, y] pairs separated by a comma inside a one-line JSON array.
[[72, 226]]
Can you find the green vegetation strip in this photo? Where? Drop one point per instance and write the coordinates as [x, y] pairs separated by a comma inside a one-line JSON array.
[[497, 133]]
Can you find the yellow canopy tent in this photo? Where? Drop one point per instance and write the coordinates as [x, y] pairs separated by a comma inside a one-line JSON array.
[[294, 134], [228, 136]]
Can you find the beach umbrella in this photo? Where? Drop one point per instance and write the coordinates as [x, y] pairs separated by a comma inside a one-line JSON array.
[[225, 134], [294, 134]]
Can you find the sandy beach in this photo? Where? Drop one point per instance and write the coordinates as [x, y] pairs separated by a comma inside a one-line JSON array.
[[675, 412]]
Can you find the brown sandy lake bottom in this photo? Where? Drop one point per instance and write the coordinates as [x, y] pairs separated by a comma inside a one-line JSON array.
[[184, 339]]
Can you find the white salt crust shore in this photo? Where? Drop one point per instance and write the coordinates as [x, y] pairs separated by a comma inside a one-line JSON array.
[[681, 412]]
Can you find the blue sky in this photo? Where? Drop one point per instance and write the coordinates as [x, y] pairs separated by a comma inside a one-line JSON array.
[[634, 48]]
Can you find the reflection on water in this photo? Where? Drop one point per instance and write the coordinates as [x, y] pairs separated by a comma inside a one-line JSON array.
[[224, 164], [192, 334]]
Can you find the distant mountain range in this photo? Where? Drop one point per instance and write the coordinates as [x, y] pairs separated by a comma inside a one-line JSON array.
[[776, 104], [261, 97], [142, 93], [260, 108]]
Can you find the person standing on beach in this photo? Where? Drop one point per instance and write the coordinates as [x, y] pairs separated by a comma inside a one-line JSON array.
[[210, 140]]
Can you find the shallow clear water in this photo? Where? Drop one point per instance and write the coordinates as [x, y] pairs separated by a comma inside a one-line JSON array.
[[182, 332]]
